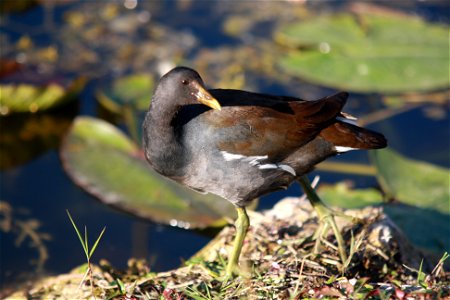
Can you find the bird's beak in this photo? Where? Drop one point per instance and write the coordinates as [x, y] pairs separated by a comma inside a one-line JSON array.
[[204, 97]]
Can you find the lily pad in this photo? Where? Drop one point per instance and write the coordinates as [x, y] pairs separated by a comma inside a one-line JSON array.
[[104, 162], [368, 53], [342, 195], [411, 181], [133, 90], [433, 237], [425, 227], [29, 98]]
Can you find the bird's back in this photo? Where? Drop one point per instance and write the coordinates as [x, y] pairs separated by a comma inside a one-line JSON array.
[[258, 143]]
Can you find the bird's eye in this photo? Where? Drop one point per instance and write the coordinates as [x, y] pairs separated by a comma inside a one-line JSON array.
[[184, 81]]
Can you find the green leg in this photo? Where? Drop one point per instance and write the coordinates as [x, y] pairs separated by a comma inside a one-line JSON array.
[[326, 218], [242, 224]]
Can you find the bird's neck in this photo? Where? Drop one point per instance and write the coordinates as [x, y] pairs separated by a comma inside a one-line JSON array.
[[162, 148]]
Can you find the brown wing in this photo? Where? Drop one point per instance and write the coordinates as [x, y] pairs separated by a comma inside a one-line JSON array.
[[273, 128]]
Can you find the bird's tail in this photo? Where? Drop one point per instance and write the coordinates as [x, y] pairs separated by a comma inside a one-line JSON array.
[[349, 136]]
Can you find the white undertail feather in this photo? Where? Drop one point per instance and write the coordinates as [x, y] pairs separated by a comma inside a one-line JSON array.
[[349, 120], [256, 161], [342, 149]]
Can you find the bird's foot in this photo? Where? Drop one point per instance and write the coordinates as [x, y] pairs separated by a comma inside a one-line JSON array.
[[242, 224], [326, 220], [232, 272]]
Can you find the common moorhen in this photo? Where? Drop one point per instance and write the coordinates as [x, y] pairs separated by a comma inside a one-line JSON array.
[[247, 145]]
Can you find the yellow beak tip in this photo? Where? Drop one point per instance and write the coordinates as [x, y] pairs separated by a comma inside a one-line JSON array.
[[204, 97]]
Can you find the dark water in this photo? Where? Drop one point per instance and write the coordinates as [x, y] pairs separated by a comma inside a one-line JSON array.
[[39, 189]]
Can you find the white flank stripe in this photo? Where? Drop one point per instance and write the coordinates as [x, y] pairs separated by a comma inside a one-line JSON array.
[[348, 121], [230, 156], [268, 166], [256, 161], [341, 149], [285, 168]]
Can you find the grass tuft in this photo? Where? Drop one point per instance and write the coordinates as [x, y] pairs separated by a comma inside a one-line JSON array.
[[88, 252]]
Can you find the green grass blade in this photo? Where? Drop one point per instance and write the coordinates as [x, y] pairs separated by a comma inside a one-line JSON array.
[[96, 242], [78, 234], [86, 242], [444, 257], [121, 286], [421, 276], [207, 291]]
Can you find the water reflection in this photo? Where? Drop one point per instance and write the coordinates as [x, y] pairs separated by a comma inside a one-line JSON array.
[[25, 137]]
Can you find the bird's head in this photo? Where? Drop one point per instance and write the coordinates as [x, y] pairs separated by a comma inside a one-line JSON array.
[[186, 87]]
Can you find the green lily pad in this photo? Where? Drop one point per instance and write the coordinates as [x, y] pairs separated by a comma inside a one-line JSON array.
[[133, 90], [25, 98], [433, 237], [104, 162], [342, 195], [413, 182], [368, 53], [426, 228]]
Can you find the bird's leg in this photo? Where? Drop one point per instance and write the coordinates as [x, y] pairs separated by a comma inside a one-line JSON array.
[[242, 224], [326, 218]]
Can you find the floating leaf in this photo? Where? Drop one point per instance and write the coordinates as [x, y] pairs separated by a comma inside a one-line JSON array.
[[133, 90], [24, 97], [426, 228], [433, 236], [368, 53], [341, 195], [103, 161], [414, 182]]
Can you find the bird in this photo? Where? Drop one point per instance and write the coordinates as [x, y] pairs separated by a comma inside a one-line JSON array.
[[241, 145]]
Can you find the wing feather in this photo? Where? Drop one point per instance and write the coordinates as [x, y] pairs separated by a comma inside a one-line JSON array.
[[270, 126]]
